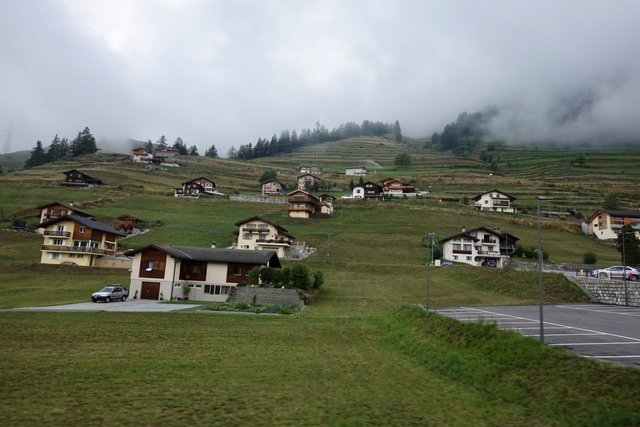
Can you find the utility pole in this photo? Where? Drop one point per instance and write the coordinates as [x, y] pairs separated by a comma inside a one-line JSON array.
[[429, 239]]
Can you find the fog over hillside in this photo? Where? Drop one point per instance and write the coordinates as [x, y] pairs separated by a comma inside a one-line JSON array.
[[226, 72]]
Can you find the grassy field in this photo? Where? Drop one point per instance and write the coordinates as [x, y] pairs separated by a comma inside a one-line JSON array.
[[361, 354]]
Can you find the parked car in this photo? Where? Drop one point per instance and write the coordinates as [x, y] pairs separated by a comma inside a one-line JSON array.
[[110, 293], [489, 263], [617, 272]]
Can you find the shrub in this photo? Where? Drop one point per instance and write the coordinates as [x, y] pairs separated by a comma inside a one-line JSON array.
[[318, 281], [589, 258], [254, 276], [300, 277]]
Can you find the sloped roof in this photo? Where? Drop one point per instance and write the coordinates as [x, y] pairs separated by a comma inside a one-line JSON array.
[[87, 222], [190, 253], [479, 196], [71, 208], [614, 212], [199, 178], [259, 218], [467, 234]]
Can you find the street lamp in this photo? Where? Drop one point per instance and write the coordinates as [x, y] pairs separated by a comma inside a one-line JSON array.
[[429, 239], [540, 289], [624, 268]]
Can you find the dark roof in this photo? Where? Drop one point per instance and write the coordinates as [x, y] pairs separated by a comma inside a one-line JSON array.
[[71, 208], [87, 222], [241, 256], [493, 191], [461, 234], [123, 216], [467, 234], [309, 174], [272, 180], [196, 179], [259, 218]]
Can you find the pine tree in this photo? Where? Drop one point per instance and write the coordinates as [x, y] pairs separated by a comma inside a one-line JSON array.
[[193, 151], [84, 143], [211, 152], [397, 132], [162, 142], [38, 156], [180, 146]]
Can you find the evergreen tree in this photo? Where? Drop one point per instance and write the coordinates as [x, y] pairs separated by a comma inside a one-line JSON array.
[[403, 160], [148, 146], [212, 152], [180, 146], [232, 154], [193, 151], [84, 143], [162, 143], [627, 239], [38, 156], [397, 132], [57, 149]]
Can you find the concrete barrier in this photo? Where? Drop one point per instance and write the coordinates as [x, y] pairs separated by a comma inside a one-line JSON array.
[[606, 291]]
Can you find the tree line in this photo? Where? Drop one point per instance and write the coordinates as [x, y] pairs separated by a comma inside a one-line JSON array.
[[289, 141], [178, 145], [61, 148], [463, 135]]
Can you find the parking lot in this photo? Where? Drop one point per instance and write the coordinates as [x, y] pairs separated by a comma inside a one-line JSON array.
[[606, 332], [132, 305]]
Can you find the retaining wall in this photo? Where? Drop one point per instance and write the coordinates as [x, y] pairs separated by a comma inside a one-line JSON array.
[[610, 291], [265, 296]]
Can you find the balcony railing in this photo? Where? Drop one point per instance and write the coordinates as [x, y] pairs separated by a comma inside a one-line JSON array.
[[462, 251], [275, 241], [74, 249], [56, 233]]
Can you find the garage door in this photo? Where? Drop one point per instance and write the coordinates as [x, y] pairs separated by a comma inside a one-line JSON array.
[[150, 290]]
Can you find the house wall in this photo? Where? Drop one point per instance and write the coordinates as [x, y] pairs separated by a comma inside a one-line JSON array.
[[81, 260], [469, 255], [496, 202]]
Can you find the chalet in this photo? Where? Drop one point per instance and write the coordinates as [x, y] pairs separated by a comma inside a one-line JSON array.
[[495, 201], [480, 246], [357, 171], [77, 239], [199, 187], [75, 178], [372, 191], [308, 182], [257, 233], [163, 154], [129, 224], [305, 205], [161, 272], [605, 223], [395, 188], [358, 192], [328, 199], [55, 210], [141, 155], [273, 186], [314, 170]]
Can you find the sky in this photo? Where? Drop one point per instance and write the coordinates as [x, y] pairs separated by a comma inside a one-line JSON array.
[[226, 72]]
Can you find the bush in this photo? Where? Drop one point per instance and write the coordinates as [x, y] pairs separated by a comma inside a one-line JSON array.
[[318, 281], [300, 277], [589, 258]]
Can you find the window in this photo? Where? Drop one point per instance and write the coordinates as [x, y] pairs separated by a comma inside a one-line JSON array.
[[55, 256], [455, 257], [468, 258], [467, 247], [82, 229], [246, 236], [58, 242], [237, 271], [216, 289], [457, 246]]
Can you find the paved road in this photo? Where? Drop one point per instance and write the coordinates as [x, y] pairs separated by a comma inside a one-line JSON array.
[[125, 306], [605, 332]]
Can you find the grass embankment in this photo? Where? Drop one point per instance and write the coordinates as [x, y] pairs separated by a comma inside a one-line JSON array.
[[402, 368]]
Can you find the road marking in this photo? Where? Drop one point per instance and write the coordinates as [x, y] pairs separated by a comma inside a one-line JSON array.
[[563, 335], [633, 356], [597, 343], [600, 311], [564, 326]]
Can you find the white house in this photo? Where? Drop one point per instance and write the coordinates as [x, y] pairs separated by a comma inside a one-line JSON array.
[[257, 233], [161, 272], [479, 246], [495, 201], [358, 192], [605, 223], [357, 171]]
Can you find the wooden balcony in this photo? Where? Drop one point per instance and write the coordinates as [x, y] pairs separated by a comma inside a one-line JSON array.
[[56, 233], [74, 249]]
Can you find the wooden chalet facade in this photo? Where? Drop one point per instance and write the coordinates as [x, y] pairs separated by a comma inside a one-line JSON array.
[[129, 224], [257, 233], [305, 205], [314, 170], [396, 188], [605, 223], [372, 191], [161, 272], [199, 187], [77, 240], [141, 155], [75, 178], [55, 210], [272, 187], [308, 182]]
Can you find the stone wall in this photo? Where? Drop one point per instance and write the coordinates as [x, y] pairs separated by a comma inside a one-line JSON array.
[[610, 291], [266, 296], [258, 199]]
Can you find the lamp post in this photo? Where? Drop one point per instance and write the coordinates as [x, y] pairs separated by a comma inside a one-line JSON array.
[[624, 269], [540, 289], [429, 238]]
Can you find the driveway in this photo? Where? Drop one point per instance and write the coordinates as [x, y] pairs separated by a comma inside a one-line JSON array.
[[137, 306], [599, 331]]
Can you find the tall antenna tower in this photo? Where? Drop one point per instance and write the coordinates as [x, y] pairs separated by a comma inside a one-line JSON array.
[[7, 142]]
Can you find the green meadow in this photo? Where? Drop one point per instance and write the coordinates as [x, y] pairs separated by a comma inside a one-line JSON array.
[[363, 353]]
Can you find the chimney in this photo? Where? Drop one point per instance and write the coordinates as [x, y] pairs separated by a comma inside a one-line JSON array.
[[213, 245]]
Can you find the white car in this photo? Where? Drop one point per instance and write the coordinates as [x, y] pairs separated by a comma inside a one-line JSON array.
[[110, 293], [617, 272]]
